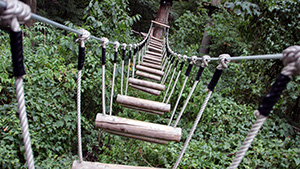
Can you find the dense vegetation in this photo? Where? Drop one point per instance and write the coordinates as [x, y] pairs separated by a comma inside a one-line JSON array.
[[50, 88]]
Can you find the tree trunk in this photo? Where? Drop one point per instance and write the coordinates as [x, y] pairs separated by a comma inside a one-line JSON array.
[[162, 16], [32, 4], [204, 49]]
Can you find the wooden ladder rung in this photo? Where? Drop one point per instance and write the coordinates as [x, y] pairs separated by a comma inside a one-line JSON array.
[[96, 165], [148, 84], [145, 89], [150, 70], [148, 75], [152, 58], [138, 128], [154, 53], [154, 66]]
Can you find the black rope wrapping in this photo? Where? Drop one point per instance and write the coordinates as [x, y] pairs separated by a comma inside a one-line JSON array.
[[176, 63], [212, 84], [272, 97], [135, 51], [115, 57], [81, 57], [123, 57], [181, 66], [188, 70], [129, 54], [199, 73], [172, 60], [16, 45], [103, 56]]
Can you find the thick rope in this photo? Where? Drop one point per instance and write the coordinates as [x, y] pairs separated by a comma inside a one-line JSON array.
[[116, 46], [24, 122], [85, 35], [168, 71], [174, 85], [204, 64], [291, 60], [222, 65], [128, 70], [104, 45]]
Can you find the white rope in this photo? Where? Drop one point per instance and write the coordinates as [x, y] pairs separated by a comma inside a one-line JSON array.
[[192, 130], [170, 83], [134, 59], [178, 99], [104, 45], [246, 144], [24, 122], [79, 116], [167, 74], [173, 88]]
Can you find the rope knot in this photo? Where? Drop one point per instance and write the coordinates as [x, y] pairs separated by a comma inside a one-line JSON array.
[[184, 57], [291, 61], [194, 60], [130, 46], [105, 42], [16, 13], [116, 45], [223, 62], [205, 61], [124, 46], [83, 37]]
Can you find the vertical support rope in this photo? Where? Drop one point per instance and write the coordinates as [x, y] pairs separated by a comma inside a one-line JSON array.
[[79, 116], [103, 89], [246, 144], [122, 74], [193, 129], [173, 88], [178, 99], [24, 122], [186, 102], [167, 74], [112, 89], [170, 83], [128, 70]]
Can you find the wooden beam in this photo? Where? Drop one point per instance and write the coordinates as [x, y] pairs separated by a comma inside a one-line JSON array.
[[148, 75], [142, 109], [143, 103], [161, 24], [95, 165], [158, 67], [150, 70], [145, 89], [139, 128], [147, 84], [152, 58], [153, 53]]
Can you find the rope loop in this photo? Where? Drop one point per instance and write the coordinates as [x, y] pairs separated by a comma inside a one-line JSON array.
[[205, 61], [116, 45], [130, 46], [16, 13], [184, 57], [124, 45], [223, 62], [291, 61], [105, 42], [194, 60]]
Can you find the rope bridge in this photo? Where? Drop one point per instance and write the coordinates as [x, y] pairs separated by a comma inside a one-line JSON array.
[[152, 64]]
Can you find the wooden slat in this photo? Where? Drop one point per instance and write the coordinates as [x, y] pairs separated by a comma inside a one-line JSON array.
[[154, 66], [145, 89], [95, 165], [154, 49], [149, 70], [147, 84], [153, 53], [143, 103], [161, 24], [148, 75], [155, 45], [151, 61], [152, 58], [142, 110], [139, 128]]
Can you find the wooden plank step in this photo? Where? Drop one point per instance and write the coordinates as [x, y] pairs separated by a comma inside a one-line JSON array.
[[155, 38], [156, 42], [142, 109], [96, 165], [154, 66], [145, 89], [152, 58], [143, 103], [156, 45], [154, 49], [160, 24], [148, 75], [151, 61], [149, 70], [148, 84], [154, 53], [138, 128]]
